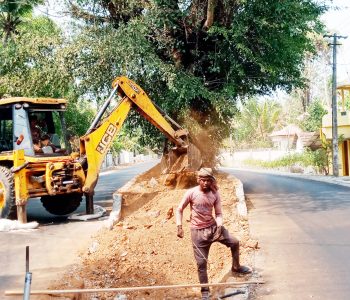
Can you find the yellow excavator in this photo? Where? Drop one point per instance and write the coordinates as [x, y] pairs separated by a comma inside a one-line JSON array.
[[62, 177]]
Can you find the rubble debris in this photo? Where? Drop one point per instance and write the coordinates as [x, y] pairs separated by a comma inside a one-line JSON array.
[[170, 213], [10, 225], [154, 254]]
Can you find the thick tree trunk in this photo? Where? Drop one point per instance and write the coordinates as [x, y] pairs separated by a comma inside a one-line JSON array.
[[210, 14]]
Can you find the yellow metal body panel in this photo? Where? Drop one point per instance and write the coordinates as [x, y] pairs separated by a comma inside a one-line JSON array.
[[21, 191], [146, 107], [42, 168], [32, 100], [97, 143]]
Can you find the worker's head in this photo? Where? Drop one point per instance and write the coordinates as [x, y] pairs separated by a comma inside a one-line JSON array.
[[36, 141], [45, 139], [33, 121], [206, 179]]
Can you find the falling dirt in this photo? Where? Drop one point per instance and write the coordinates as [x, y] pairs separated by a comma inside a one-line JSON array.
[[143, 249]]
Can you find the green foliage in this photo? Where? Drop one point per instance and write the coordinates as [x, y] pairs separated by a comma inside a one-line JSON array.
[[196, 74], [193, 72], [31, 63], [346, 101], [313, 121], [12, 14], [255, 122], [318, 159], [79, 117]]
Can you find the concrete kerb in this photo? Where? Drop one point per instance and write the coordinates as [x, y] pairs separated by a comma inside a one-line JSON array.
[[342, 180], [115, 214], [241, 205]]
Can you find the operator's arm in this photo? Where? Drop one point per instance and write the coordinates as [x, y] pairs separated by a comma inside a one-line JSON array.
[[179, 213], [218, 210]]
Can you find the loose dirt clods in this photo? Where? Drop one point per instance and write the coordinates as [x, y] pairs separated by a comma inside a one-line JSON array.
[[143, 249]]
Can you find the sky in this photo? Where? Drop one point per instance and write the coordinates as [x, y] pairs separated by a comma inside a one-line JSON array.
[[338, 21]]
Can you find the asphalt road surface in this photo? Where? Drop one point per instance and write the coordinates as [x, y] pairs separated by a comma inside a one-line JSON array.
[[55, 245], [303, 229]]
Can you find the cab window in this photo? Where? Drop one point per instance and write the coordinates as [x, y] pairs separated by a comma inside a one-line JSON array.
[[6, 129]]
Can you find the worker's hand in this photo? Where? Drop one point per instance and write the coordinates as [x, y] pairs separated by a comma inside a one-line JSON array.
[[180, 231]]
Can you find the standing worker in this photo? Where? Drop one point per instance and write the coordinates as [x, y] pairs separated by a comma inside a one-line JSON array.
[[205, 229]]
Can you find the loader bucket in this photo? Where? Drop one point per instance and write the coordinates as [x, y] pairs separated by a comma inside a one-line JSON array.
[[185, 159]]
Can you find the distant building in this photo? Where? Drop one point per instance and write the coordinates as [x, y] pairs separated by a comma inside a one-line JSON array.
[[292, 137], [343, 120]]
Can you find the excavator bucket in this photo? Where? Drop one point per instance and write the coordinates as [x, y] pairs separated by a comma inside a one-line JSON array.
[[180, 160]]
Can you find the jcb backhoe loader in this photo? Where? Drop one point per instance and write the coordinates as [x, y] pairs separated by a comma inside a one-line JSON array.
[[61, 177]]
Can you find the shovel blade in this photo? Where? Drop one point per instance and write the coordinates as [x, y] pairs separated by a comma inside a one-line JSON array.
[[185, 159]]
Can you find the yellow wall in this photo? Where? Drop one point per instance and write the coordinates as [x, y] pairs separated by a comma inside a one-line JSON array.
[[343, 125], [343, 132], [341, 160]]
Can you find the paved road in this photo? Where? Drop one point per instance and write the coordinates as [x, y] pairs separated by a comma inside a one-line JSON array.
[[303, 228], [55, 245]]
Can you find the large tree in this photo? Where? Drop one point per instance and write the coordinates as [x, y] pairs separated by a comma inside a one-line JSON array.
[[195, 58]]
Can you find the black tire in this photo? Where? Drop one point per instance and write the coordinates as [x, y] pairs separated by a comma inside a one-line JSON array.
[[8, 209], [61, 205]]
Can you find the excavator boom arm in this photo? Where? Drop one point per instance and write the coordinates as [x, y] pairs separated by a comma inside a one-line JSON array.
[[95, 144], [149, 111]]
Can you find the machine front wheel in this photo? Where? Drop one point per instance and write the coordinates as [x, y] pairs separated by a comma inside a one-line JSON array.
[[61, 204], [8, 208]]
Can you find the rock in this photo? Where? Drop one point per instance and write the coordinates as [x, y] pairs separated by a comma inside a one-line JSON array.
[[170, 213], [296, 169], [153, 182], [170, 180], [310, 170], [154, 214], [94, 246], [121, 297], [252, 244], [129, 227]]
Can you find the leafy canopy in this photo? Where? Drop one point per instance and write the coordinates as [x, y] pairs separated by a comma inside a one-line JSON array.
[[194, 58], [12, 14]]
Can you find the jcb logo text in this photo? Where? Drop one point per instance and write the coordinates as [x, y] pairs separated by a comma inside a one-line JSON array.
[[106, 139]]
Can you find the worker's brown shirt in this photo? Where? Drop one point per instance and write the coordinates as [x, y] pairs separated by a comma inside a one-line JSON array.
[[202, 205]]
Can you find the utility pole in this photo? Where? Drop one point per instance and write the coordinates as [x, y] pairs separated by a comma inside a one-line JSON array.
[[334, 104]]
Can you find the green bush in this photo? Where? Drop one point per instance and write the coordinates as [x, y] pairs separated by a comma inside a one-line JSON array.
[[317, 159]]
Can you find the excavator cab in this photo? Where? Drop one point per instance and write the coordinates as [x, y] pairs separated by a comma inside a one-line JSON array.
[[24, 122]]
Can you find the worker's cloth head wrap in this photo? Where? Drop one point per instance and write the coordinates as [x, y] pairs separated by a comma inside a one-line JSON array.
[[205, 173]]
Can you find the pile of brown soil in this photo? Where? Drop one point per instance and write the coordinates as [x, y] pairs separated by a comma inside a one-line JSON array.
[[143, 248]]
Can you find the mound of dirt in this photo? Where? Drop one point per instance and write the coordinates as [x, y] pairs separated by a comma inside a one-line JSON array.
[[143, 248]]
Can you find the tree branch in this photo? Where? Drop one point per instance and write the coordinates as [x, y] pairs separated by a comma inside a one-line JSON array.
[[79, 13], [210, 14]]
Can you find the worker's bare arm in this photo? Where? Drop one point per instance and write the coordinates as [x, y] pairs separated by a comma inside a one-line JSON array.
[[218, 220]]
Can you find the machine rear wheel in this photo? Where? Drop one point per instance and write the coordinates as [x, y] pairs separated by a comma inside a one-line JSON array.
[[8, 208], [61, 204]]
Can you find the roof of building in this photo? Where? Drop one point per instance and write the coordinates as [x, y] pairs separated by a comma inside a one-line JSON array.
[[32, 100], [288, 130], [310, 139]]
